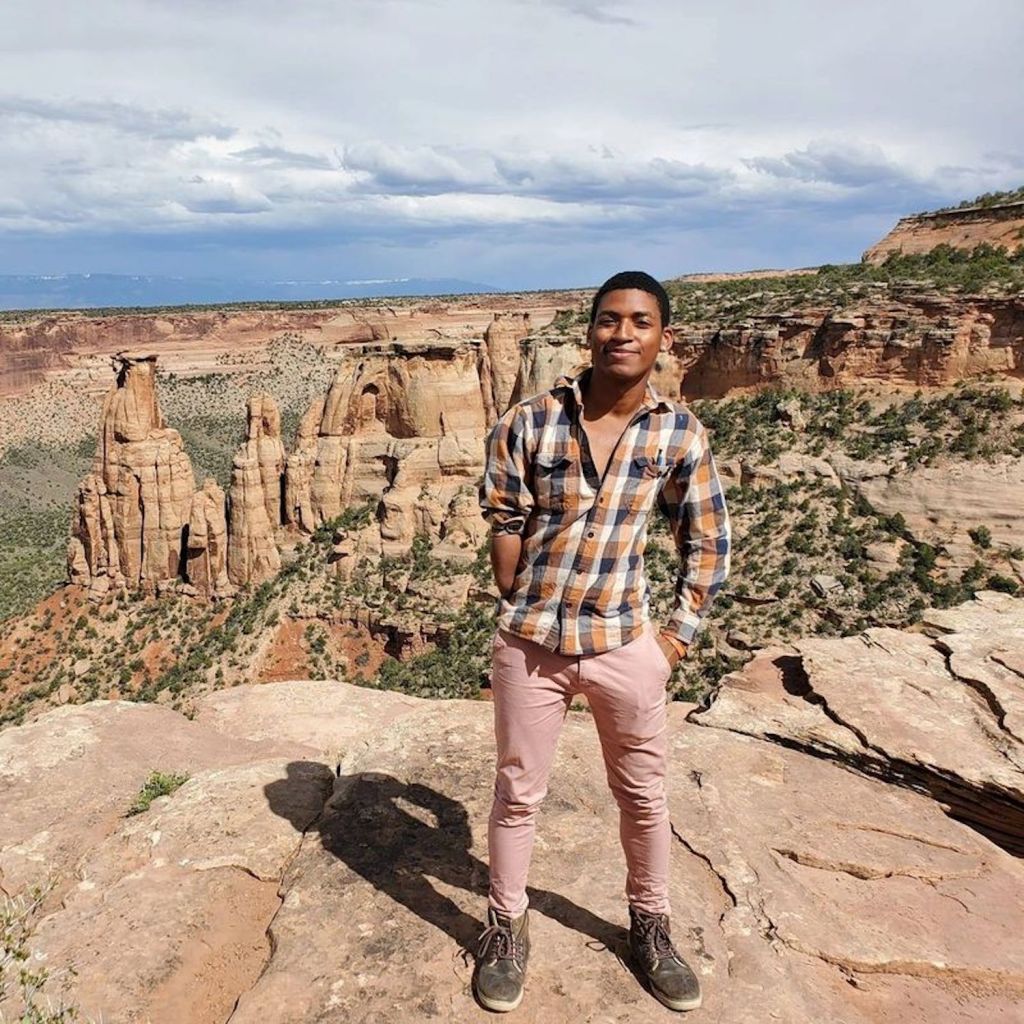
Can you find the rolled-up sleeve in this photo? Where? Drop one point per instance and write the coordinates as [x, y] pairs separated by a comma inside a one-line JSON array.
[[694, 503], [505, 498]]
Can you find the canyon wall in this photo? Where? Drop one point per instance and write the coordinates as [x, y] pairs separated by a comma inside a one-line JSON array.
[[401, 429], [963, 229], [919, 339]]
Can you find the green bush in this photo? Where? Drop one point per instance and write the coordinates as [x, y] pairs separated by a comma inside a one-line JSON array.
[[158, 784]]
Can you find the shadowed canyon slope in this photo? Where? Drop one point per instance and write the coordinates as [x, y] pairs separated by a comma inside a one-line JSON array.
[[325, 859]]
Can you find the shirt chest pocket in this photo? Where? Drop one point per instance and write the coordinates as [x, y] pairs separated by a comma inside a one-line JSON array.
[[646, 476], [555, 479]]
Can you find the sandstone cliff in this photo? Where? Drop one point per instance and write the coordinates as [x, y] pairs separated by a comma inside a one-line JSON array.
[[131, 509], [1001, 225], [35, 347], [842, 813], [921, 339], [401, 426], [499, 359], [139, 524]]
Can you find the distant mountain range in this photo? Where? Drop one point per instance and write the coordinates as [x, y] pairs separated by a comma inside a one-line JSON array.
[[92, 291]]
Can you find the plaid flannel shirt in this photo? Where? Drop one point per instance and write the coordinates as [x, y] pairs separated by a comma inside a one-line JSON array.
[[580, 586]]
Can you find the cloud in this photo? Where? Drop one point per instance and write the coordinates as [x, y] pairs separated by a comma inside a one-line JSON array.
[[594, 174], [166, 124], [202, 195], [278, 156], [600, 11], [851, 165], [525, 141]]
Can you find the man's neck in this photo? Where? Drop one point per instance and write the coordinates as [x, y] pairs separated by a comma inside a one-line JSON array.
[[616, 399]]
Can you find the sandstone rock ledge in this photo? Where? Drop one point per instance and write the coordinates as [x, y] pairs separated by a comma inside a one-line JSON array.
[[271, 888]]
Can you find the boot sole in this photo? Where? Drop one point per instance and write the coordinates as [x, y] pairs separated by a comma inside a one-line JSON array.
[[693, 1003], [499, 1005]]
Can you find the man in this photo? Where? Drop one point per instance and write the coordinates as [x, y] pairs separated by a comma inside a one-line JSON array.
[[572, 476]]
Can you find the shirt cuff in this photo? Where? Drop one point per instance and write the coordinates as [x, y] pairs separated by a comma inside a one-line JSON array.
[[679, 645]]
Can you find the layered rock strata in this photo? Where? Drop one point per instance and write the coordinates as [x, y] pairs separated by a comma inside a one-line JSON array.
[[938, 714], [256, 496], [140, 524], [915, 338], [499, 361], [965, 228], [401, 428], [131, 510], [206, 569]]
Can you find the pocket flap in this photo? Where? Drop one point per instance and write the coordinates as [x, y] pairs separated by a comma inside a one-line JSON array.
[[646, 466], [553, 458]]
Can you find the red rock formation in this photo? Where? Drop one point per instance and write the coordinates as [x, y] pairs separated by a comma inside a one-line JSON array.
[[920, 339], [132, 508], [206, 565], [264, 444], [499, 360], [403, 424], [963, 229], [256, 496]]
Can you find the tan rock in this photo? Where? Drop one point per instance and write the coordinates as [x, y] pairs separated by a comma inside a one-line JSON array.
[[545, 358], [298, 500], [928, 713], [803, 891], [500, 357], [966, 228], [940, 504], [252, 551], [132, 508], [400, 428], [206, 565], [263, 442]]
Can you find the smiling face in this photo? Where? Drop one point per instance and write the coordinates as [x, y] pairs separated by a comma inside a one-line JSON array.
[[627, 334]]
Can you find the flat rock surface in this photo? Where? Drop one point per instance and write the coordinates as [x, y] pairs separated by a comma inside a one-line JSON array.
[[941, 715], [280, 884]]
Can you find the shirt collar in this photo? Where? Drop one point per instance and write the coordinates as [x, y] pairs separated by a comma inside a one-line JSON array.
[[652, 400]]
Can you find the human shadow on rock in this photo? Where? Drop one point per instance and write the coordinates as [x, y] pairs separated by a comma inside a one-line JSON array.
[[400, 835]]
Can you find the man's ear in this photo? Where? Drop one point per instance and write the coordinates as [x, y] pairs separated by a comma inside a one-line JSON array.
[[668, 337]]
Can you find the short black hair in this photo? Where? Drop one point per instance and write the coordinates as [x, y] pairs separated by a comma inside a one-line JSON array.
[[642, 282]]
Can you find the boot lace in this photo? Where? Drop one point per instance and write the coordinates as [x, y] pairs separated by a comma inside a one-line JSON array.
[[497, 942], [654, 936]]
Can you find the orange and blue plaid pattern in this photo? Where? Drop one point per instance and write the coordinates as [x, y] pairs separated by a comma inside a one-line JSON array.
[[580, 586]]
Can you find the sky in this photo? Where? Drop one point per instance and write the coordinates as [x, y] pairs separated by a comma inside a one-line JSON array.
[[522, 143]]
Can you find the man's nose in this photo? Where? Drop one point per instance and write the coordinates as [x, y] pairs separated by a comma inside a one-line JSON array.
[[623, 330]]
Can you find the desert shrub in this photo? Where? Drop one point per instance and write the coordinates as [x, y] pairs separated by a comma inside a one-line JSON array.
[[158, 784]]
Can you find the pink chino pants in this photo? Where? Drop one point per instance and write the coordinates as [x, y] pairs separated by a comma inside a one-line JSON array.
[[625, 688]]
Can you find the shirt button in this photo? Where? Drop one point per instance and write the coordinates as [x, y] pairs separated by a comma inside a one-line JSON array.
[[591, 534]]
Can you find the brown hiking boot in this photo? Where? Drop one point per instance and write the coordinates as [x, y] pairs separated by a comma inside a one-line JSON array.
[[671, 980], [501, 961]]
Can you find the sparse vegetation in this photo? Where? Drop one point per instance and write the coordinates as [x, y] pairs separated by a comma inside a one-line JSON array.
[[985, 201], [32, 987], [158, 784], [833, 286]]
